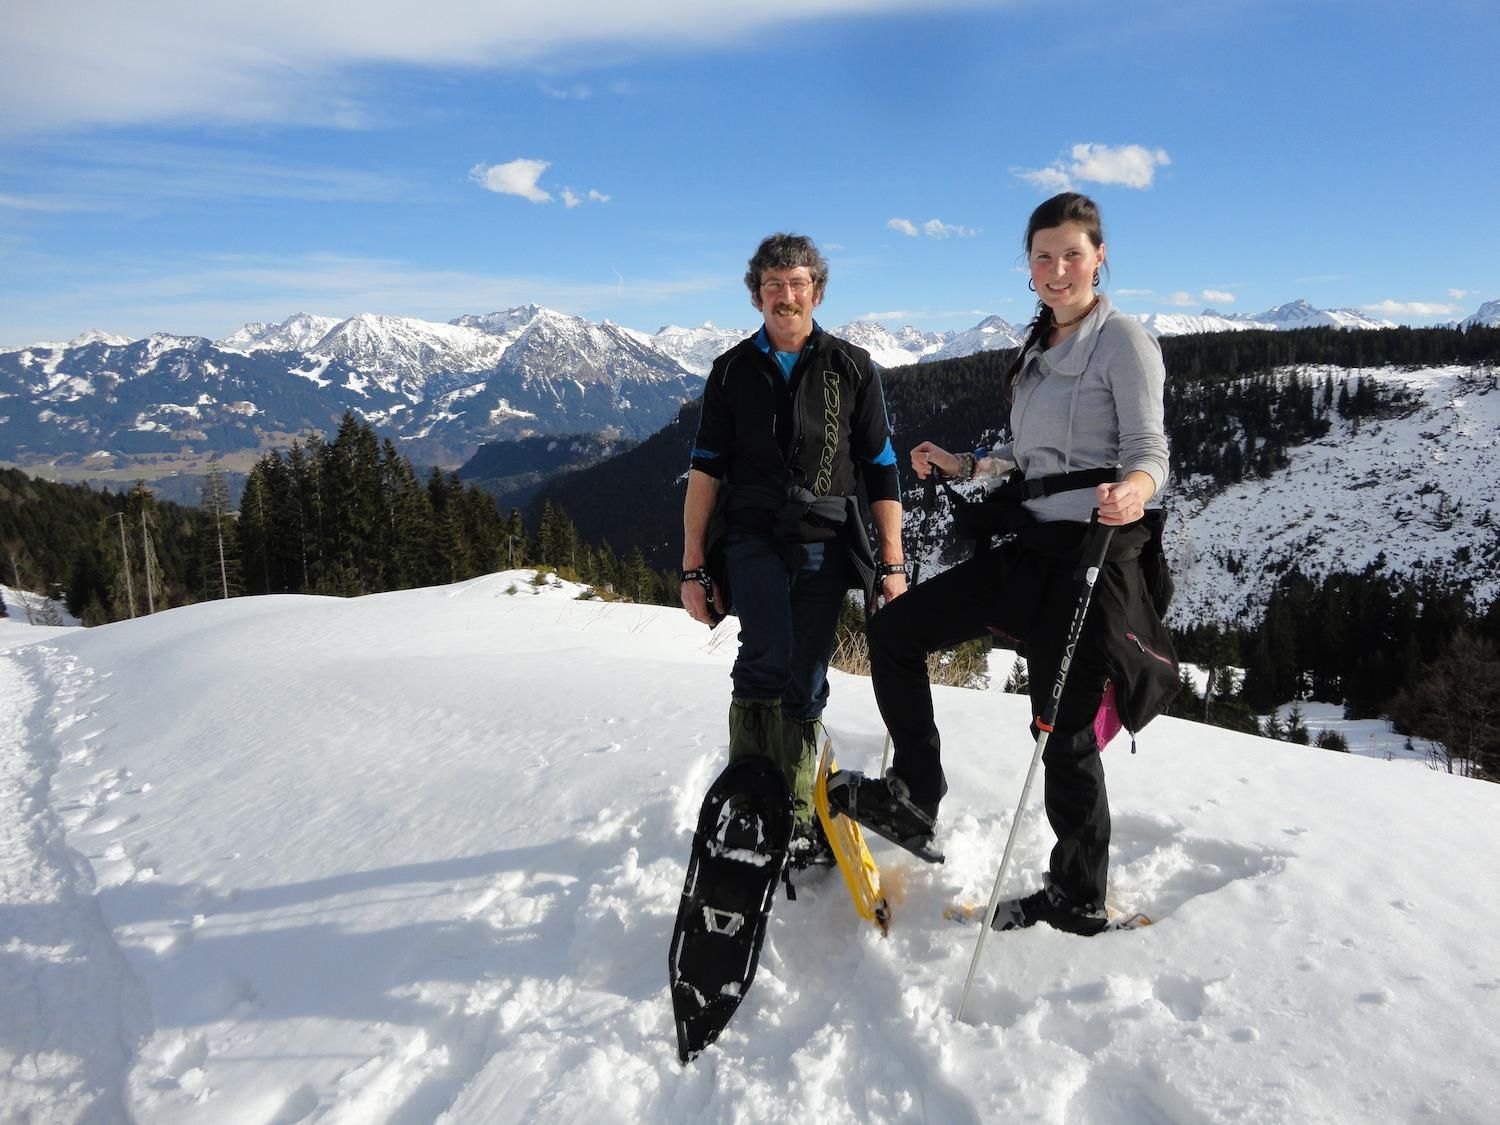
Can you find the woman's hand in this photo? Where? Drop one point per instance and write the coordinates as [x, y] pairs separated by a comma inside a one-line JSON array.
[[926, 457], [892, 586], [1125, 501]]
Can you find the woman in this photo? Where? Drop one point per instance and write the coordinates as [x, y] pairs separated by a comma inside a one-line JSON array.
[[1086, 416]]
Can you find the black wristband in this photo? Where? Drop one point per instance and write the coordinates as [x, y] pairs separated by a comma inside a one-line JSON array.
[[699, 575], [886, 570]]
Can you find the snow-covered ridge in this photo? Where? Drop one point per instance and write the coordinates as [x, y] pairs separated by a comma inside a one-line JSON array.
[[1488, 316], [299, 332], [1416, 490]]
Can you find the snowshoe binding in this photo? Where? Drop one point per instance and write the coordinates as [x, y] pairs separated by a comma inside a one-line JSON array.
[[884, 806]]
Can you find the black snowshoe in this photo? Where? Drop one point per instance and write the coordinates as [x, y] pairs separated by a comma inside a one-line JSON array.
[[739, 855], [884, 806]]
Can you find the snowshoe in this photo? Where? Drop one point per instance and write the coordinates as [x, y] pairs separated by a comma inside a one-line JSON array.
[[884, 806], [739, 854]]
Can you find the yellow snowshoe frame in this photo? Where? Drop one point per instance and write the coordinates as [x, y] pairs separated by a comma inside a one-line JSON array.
[[848, 843]]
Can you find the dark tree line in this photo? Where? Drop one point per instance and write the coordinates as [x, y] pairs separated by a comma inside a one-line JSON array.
[[106, 555], [350, 516], [346, 515]]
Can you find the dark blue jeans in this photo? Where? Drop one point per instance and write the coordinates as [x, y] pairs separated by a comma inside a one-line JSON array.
[[787, 597]]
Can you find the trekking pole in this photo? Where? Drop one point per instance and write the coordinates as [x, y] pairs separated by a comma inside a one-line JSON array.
[[1095, 547]]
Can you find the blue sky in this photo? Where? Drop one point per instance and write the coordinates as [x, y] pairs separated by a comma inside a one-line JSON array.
[[167, 166]]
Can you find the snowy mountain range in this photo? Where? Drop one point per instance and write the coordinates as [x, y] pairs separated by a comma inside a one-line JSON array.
[[444, 389]]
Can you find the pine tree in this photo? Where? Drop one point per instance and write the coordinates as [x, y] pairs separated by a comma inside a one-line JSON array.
[[1019, 681], [1296, 729]]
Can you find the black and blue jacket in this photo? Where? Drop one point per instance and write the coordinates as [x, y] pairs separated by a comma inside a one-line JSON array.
[[789, 448]]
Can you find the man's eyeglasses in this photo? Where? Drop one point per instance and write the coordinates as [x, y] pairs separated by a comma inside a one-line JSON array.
[[777, 286]]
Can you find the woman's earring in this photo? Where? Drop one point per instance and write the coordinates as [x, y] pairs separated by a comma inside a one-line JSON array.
[[1096, 277], [1031, 285]]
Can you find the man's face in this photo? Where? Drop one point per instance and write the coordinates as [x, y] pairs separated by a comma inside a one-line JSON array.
[[787, 299]]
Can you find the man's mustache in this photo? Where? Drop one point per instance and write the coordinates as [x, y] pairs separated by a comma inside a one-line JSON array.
[[787, 308]]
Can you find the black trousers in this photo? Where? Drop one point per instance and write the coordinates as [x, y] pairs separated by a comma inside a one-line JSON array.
[[1031, 598]]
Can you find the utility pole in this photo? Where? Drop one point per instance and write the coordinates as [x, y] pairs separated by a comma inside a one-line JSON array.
[[125, 561], [146, 554]]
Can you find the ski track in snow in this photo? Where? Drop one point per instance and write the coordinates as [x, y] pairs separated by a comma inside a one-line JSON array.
[[367, 870], [71, 1006]]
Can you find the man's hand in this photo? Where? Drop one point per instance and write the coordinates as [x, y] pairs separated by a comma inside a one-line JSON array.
[[695, 600]]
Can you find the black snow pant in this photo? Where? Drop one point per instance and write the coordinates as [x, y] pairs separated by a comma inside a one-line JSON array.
[[1027, 597]]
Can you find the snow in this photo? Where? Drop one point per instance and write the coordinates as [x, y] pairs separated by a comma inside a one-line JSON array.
[[1410, 491], [415, 857]]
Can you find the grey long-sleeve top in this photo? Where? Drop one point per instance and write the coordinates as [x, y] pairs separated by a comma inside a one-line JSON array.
[[1093, 401]]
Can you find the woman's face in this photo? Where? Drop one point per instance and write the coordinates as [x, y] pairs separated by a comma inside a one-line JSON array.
[[1063, 263]]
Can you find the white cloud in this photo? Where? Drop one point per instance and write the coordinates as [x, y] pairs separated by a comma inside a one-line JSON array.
[[1182, 299], [1411, 308], [291, 61], [571, 198], [1049, 180], [517, 177], [932, 228], [1132, 166], [577, 92], [1460, 294], [1217, 297], [213, 295], [24, 203], [935, 228]]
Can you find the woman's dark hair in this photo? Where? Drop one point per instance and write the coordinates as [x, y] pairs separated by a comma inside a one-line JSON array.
[[1066, 207]]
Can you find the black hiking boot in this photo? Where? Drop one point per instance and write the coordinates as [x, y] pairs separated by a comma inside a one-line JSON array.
[[884, 806], [1050, 906], [810, 847]]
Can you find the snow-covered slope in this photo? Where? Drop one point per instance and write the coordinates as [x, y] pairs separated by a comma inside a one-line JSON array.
[[1185, 324], [401, 353], [1418, 491], [892, 349], [299, 332], [415, 858], [1300, 314], [696, 348], [989, 334], [1488, 316]]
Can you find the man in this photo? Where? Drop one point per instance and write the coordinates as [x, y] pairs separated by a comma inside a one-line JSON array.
[[793, 420]]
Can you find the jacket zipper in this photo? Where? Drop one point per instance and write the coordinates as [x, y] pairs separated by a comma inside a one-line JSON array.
[[1147, 649]]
